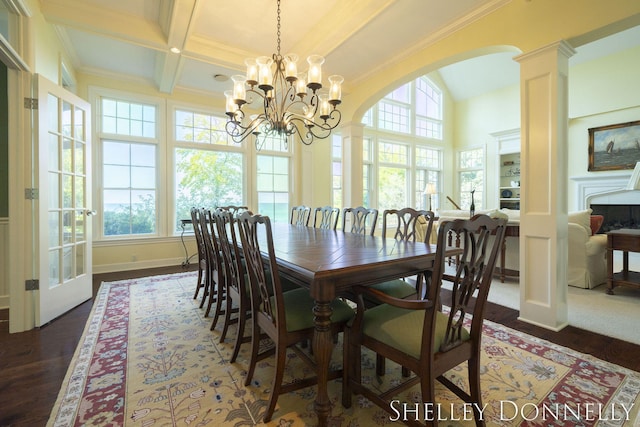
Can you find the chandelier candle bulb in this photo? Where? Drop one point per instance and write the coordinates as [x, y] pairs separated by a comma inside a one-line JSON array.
[[301, 86], [324, 107], [335, 89], [265, 76], [292, 67], [239, 90], [230, 105], [252, 72], [315, 72]]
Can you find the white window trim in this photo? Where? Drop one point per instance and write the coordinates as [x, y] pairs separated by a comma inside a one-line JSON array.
[[96, 94]]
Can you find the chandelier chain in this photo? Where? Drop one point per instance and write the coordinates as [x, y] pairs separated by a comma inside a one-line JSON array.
[[278, 51]]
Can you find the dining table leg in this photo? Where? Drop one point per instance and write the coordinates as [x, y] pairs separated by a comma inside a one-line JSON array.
[[322, 349]]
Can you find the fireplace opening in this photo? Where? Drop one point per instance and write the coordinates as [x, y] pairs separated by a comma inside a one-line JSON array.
[[617, 216]]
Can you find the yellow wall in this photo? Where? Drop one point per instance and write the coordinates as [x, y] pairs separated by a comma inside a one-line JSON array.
[[516, 26]]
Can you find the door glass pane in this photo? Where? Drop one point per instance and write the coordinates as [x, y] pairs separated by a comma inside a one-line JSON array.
[[80, 259], [54, 153], [52, 109], [67, 188], [67, 263], [80, 225], [67, 155], [78, 124], [54, 191], [67, 227], [66, 118], [79, 158], [54, 267], [79, 192], [54, 229]]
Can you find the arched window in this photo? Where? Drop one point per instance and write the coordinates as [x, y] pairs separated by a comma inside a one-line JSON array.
[[402, 147]]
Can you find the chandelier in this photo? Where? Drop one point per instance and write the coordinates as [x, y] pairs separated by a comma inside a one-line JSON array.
[[292, 103]]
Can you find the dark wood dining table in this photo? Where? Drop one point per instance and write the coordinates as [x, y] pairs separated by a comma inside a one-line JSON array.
[[329, 263]]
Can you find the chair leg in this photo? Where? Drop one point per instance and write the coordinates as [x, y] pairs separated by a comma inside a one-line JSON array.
[[242, 320], [216, 294], [281, 357], [227, 317], [427, 389], [200, 284], [380, 365], [474, 388], [255, 346], [219, 311], [205, 291], [347, 369]]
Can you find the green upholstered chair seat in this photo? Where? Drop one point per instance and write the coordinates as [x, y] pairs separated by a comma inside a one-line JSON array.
[[395, 288], [402, 328], [299, 310]]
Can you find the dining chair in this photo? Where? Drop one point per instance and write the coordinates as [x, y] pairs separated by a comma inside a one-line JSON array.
[[362, 220], [300, 215], [217, 292], [328, 217], [418, 335], [409, 225], [237, 290], [203, 276], [235, 210], [285, 316]]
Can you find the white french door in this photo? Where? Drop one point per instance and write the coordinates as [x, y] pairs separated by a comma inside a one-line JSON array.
[[64, 200]]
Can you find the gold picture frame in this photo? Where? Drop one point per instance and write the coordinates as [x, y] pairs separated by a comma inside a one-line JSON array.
[[614, 147]]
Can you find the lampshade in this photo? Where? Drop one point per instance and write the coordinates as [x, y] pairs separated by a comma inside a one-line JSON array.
[[430, 188], [634, 181]]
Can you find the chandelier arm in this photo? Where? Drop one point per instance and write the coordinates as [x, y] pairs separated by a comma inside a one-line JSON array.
[[315, 129], [286, 110], [239, 132]]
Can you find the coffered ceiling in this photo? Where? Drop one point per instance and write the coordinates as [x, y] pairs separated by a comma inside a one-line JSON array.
[[131, 39]]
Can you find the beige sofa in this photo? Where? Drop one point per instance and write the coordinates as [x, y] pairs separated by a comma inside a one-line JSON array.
[[587, 251]]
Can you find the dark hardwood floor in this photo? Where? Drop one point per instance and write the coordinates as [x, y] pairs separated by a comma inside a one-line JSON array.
[[33, 364]]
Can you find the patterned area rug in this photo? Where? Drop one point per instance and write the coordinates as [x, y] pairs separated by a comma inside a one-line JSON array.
[[148, 358]]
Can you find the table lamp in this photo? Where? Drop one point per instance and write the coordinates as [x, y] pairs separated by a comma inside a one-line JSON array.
[[430, 190]]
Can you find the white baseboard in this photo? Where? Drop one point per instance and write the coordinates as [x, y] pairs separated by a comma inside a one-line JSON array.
[[4, 301], [138, 265]]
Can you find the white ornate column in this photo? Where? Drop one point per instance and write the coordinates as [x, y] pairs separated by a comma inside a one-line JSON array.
[[543, 210]]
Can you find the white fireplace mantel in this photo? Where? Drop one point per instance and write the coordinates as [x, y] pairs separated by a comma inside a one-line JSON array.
[[606, 189]]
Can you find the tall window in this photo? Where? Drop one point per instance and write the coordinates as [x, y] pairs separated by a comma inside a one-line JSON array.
[[427, 171], [208, 169], [129, 174], [471, 177], [393, 175], [336, 171], [367, 175], [402, 147], [273, 178], [428, 109]]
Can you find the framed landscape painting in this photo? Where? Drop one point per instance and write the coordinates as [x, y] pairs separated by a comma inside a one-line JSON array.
[[614, 147]]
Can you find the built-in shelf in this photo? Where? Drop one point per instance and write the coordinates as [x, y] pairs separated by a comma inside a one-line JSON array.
[[509, 181], [508, 173]]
